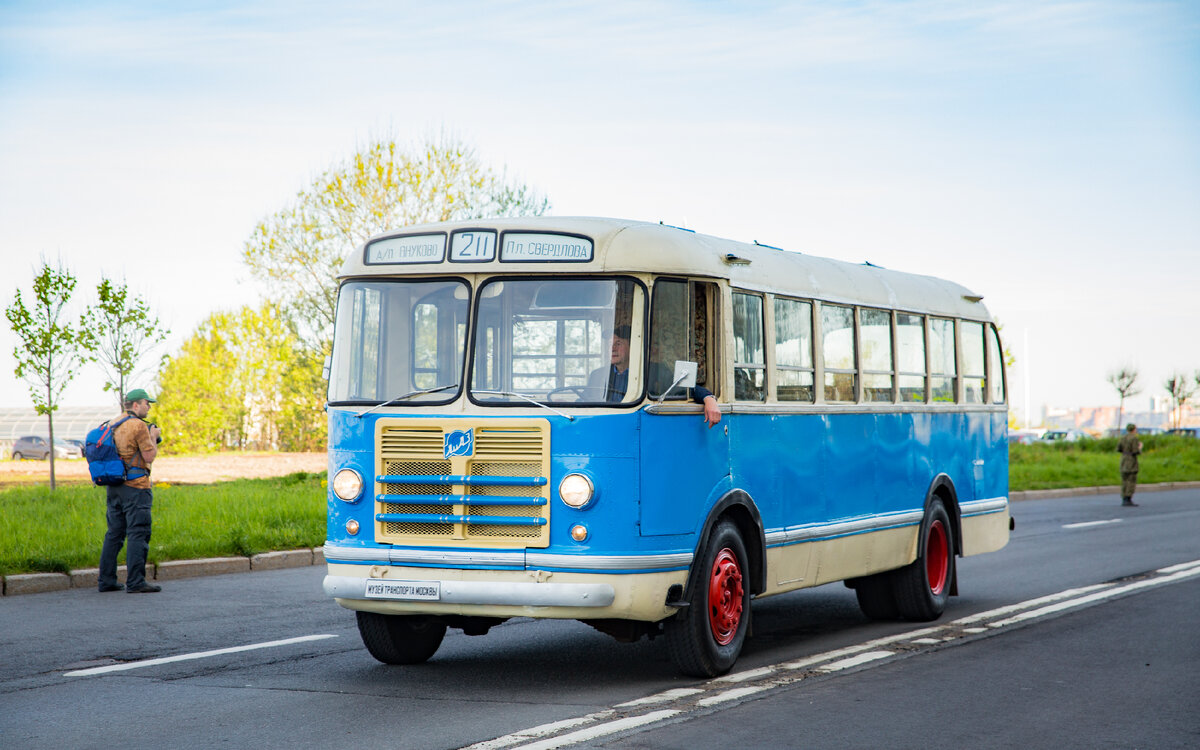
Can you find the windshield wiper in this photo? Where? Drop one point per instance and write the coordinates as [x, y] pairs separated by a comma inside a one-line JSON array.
[[407, 395], [526, 398]]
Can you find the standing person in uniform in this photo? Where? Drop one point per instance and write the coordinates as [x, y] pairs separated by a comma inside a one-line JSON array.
[[129, 503], [1130, 447]]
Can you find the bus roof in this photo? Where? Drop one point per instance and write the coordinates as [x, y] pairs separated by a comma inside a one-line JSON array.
[[620, 246]]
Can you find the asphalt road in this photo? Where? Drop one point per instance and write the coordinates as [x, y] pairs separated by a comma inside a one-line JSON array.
[[1112, 664]]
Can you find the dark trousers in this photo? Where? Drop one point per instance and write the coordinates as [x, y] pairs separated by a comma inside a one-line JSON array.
[[128, 518]]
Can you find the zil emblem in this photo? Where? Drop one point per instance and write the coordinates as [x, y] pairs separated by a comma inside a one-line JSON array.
[[459, 443]]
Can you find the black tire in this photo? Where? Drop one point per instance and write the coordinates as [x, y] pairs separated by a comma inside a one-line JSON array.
[[877, 596], [923, 588], [18, 457], [705, 638], [400, 639]]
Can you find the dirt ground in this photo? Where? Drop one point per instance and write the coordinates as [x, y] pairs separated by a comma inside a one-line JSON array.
[[175, 469]]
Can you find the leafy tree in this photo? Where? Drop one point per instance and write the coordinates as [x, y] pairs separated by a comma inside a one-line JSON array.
[[299, 250], [118, 331], [50, 352], [1180, 390], [241, 381], [1124, 379]]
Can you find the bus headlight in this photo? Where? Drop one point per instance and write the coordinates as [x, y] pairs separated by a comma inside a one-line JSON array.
[[576, 490], [347, 485]]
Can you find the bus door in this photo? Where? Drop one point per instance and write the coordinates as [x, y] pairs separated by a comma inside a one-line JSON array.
[[682, 459]]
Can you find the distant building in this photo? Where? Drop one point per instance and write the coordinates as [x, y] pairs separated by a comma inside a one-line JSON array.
[[70, 423], [1099, 420]]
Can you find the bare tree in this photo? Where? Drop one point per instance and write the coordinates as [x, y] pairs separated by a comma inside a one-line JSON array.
[[1180, 390], [1124, 379]]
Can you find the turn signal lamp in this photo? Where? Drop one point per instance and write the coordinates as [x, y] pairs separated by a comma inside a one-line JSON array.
[[352, 527], [579, 533]]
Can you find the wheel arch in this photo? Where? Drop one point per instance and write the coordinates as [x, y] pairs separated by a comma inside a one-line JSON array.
[[942, 488], [740, 508]]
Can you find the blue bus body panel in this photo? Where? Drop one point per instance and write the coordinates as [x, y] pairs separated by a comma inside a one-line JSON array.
[[657, 476]]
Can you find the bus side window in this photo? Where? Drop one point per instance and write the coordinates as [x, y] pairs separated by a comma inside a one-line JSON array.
[[875, 327], [942, 370], [995, 367], [973, 362], [910, 344], [837, 351], [749, 349], [793, 350]]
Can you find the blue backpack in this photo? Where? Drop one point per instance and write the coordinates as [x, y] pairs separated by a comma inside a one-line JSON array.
[[104, 463]]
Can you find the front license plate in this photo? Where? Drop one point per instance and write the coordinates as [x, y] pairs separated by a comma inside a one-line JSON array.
[[426, 591]]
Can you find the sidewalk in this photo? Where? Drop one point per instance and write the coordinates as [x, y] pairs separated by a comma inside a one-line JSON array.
[[36, 583]]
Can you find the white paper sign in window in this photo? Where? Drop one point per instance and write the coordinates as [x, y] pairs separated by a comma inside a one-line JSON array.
[[421, 248], [545, 247], [473, 246]]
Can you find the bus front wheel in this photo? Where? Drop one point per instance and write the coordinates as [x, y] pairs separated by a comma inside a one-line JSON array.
[[400, 639], [923, 588], [705, 638]]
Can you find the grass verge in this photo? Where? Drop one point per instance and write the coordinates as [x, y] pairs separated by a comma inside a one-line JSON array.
[[41, 531], [1095, 463]]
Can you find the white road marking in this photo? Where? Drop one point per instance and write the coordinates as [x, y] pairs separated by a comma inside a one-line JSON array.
[[881, 650], [855, 661], [591, 733], [749, 674], [663, 697], [732, 695], [1086, 524], [197, 655]]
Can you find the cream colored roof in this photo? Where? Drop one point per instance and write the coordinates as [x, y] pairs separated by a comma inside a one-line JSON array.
[[623, 246]]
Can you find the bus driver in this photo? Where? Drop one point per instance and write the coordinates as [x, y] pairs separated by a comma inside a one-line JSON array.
[[613, 380]]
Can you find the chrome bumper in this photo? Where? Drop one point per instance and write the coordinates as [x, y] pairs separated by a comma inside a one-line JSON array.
[[501, 593]]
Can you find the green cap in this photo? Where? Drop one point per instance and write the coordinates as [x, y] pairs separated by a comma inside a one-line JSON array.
[[137, 394]]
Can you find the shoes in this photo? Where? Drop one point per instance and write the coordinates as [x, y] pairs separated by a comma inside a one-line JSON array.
[[1129, 504], [105, 589], [145, 588]]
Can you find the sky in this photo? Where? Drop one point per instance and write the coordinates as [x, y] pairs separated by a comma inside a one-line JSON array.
[[1045, 155]]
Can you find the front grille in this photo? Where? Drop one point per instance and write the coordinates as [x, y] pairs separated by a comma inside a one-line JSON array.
[[498, 496]]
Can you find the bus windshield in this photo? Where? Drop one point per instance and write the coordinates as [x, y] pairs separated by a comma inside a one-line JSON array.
[[399, 339], [552, 340]]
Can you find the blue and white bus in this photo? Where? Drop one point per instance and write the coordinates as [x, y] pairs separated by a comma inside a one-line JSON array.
[[521, 424]]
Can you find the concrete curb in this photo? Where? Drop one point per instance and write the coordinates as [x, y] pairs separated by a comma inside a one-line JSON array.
[[85, 578], [1114, 489]]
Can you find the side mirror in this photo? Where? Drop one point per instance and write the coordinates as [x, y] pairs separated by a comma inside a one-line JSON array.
[[325, 368], [685, 377], [685, 374]]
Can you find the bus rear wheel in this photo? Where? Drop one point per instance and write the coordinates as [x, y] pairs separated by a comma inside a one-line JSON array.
[[706, 637], [400, 639], [877, 596], [923, 587]]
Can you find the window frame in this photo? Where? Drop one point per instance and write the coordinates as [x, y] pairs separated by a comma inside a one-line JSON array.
[[761, 367]]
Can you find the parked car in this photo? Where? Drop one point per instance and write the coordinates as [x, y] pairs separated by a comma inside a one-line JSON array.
[[1023, 437], [1067, 436], [38, 447], [1192, 432]]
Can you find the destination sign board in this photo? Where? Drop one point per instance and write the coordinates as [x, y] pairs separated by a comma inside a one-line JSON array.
[[530, 246], [418, 248]]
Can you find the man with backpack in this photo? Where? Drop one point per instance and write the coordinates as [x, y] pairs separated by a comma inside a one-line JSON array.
[[129, 502]]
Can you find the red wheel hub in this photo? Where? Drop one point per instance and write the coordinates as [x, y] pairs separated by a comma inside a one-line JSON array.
[[725, 596], [937, 557]]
